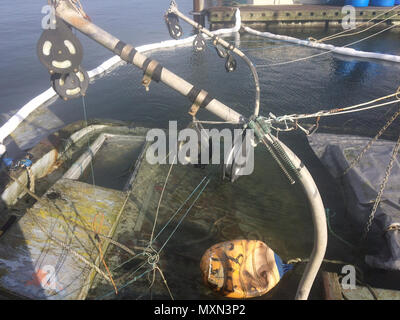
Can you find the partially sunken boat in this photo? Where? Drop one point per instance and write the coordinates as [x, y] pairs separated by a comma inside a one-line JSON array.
[[53, 239], [80, 209]]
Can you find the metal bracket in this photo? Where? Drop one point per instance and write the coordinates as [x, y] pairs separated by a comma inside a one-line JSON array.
[[148, 74], [197, 103]]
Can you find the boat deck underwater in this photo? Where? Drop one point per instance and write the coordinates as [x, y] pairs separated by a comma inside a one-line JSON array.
[[91, 218], [264, 16], [275, 212]]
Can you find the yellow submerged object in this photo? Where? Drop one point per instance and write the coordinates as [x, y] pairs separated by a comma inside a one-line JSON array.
[[242, 268]]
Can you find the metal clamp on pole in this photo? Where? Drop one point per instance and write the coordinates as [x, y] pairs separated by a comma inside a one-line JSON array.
[[199, 98], [152, 71]]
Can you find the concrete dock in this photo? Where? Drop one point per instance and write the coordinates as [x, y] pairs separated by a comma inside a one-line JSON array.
[[262, 17]]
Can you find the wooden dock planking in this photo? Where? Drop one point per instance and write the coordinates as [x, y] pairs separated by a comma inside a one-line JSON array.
[[274, 14]]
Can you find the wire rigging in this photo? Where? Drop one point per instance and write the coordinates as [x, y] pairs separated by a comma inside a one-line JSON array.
[[344, 32]]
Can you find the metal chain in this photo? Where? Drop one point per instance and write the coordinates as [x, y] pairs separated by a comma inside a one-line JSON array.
[[368, 146], [382, 188]]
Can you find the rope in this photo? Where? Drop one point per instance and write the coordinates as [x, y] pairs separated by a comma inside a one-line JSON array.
[[165, 282], [184, 216], [213, 122], [168, 222], [328, 216], [31, 178], [88, 143], [332, 112], [154, 258], [97, 231], [326, 52], [180, 208], [76, 4], [54, 239], [159, 201], [343, 33]]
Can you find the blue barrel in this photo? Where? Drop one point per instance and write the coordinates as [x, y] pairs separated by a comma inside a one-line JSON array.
[[382, 3], [357, 3]]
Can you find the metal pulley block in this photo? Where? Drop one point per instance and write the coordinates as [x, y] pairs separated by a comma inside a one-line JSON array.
[[240, 160], [221, 51], [59, 50], [71, 85], [199, 44], [230, 63], [172, 21]]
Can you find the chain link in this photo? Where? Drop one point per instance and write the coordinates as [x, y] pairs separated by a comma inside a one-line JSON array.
[[368, 146], [382, 188]]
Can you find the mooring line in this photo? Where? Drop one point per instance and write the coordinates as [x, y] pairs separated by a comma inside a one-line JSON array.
[[343, 33], [322, 53]]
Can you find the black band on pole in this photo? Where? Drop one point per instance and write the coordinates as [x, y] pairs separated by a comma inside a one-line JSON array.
[[119, 47], [156, 76], [206, 101], [146, 64], [131, 55], [193, 94]]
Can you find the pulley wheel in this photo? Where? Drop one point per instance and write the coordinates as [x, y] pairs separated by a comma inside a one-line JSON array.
[[199, 44], [71, 85], [172, 21], [222, 53], [230, 64], [238, 158], [59, 50]]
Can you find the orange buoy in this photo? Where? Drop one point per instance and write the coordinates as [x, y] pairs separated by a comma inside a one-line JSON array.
[[242, 268]]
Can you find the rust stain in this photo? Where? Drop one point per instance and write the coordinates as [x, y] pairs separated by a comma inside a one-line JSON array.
[[78, 22]]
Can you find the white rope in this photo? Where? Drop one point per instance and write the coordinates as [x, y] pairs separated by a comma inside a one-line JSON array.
[[293, 118], [333, 112], [344, 50], [342, 112], [345, 34]]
